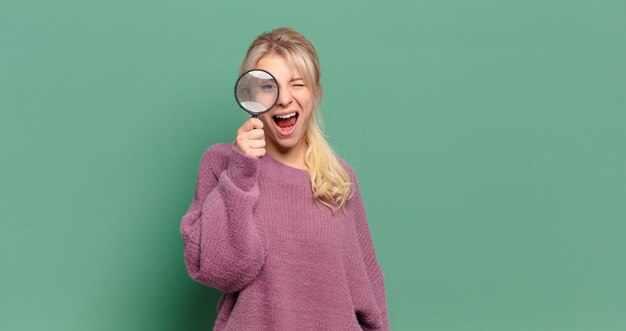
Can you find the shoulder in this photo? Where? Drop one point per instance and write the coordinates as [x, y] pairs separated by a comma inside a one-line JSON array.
[[354, 199], [349, 170], [354, 204], [216, 157], [218, 151]]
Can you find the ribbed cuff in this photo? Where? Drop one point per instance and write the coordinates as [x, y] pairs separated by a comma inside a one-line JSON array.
[[243, 170]]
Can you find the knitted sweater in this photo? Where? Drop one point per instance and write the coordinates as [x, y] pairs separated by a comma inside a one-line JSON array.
[[284, 261]]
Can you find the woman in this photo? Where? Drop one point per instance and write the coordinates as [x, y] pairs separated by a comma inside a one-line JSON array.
[[277, 221]]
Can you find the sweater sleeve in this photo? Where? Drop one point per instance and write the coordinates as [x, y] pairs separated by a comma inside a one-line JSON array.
[[372, 266], [223, 247]]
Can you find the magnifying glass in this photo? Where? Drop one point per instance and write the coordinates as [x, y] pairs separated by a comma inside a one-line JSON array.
[[256, 91]]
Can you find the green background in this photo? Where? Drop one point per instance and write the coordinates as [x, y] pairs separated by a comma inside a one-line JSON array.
[[488, 137]]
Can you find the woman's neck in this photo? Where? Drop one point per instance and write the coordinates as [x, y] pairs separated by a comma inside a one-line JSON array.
[[293, 157]]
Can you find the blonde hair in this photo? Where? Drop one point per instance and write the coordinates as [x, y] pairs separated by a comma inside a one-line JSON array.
[[330, 182]]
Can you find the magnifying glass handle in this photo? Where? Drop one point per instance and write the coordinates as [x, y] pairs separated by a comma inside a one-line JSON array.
[[255, 116]]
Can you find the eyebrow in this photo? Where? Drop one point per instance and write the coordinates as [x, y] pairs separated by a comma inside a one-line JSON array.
[[295, 79]]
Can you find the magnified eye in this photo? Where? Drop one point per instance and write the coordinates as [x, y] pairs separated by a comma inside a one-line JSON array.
[[267, 87]]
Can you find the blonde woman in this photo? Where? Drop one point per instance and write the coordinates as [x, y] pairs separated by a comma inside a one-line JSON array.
[[277, 221]]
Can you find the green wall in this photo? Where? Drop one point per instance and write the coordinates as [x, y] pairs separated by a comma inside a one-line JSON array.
[[488, 137]]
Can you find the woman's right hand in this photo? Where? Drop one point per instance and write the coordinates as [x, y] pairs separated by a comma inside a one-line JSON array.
[[251, 138]]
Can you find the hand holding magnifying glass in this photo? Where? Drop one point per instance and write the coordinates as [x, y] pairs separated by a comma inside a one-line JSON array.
[[256, 92]]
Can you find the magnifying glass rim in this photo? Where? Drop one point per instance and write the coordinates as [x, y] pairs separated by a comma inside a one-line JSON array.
[[237, 98]]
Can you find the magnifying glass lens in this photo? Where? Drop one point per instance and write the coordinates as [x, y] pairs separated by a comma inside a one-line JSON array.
[[256, 91]]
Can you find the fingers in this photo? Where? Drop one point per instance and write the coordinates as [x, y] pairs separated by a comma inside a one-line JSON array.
[[251, 124], [256, 152], [255, 134], [257, 143], [251, 138]]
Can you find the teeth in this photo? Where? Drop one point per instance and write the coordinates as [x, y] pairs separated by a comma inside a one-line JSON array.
[[286, 115]]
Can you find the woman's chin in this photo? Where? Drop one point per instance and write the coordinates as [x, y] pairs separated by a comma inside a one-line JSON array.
[[286, 145]]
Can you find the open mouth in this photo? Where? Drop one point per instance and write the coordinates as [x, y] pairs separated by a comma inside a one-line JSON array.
[[287, 122]]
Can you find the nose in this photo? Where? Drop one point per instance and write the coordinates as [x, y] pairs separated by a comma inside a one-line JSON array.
[[284, 97]]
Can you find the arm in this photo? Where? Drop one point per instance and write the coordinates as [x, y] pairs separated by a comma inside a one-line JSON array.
[[223, 248], [374, 271]]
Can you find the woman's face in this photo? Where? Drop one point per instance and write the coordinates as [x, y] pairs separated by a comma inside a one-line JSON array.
[[286, 123]]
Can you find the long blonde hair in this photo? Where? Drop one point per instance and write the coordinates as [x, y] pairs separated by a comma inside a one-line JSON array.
[[330, 182]]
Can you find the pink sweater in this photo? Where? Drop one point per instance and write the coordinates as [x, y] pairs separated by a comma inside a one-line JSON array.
[[283, 260]]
